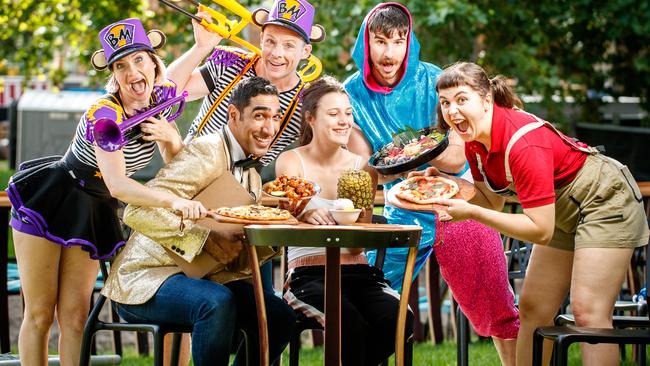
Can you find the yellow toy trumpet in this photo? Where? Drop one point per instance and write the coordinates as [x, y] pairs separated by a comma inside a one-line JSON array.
[[292, 14]]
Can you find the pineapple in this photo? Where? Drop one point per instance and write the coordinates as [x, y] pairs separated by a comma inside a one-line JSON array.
[[356, 185]]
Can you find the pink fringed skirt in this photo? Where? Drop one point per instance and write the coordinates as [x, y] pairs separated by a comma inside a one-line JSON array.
[[472, 262]]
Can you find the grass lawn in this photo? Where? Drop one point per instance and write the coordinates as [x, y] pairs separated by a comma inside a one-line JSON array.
[[480, 353]]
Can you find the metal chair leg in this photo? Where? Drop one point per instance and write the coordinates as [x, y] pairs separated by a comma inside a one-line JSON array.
[[294, 349], [86, 345], [176, 349], [89, 331], [462, 342], [143, 344], [158, 348], [117, 335], [538, 349], [641, 354], [561, 351], [408, 354]]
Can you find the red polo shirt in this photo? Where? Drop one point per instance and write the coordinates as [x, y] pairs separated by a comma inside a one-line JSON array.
[[540, 162]]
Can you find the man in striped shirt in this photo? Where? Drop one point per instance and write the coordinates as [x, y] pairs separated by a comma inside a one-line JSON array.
[[287, 33]]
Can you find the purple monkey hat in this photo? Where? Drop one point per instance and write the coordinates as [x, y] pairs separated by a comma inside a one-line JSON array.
[[295, 15], [123, 38]]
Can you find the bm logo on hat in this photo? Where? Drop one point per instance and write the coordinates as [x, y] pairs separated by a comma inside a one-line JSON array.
[[290, 10], [120, 35]]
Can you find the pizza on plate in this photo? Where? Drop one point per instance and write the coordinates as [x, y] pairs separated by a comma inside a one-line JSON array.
[[255, 213], [424, 190]]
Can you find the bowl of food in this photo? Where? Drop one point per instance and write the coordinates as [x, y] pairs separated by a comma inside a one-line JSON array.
[[343, 212], [292, 193], [408, 150]]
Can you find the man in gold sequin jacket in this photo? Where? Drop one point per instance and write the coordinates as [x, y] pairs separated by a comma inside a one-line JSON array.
[[145, 282]]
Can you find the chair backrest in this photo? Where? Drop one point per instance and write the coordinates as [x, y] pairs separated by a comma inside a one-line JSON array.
[[639, 273], [104, 269], [517, 257], [643, 308]]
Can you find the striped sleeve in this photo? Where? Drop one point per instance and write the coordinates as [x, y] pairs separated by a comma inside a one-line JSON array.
[[137, 153]]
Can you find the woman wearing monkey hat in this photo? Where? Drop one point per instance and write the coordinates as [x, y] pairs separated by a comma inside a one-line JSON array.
[[65, 208]]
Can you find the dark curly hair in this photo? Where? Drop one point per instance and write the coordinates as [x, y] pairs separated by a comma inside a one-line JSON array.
[[248, 89]]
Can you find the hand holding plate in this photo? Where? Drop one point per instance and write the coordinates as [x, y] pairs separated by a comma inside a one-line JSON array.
[[431, 171], [465, 193], [456, 209]]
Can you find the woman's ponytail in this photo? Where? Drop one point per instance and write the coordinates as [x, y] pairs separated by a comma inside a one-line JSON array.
[[503, 94]]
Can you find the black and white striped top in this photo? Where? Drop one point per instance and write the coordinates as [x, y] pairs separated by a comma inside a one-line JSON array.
[[221, 72], [137, 153]]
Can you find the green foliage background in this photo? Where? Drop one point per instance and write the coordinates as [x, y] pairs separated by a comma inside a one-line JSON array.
[[549, 47]]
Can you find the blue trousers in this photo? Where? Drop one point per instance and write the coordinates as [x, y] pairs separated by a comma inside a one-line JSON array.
[[215, 312], [395, 263]]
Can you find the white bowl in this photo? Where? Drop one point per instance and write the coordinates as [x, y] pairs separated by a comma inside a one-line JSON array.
[[345, 217]]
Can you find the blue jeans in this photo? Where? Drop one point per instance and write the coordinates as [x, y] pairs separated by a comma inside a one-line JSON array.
[[215, 312]]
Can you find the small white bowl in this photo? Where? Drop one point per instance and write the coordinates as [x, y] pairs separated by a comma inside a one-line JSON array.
[[345, 217]]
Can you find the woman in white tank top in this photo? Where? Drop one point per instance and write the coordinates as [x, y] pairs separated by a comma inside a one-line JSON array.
[[369, 305]]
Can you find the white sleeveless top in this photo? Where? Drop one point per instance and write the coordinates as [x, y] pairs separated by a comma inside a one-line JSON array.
[[315, 202]]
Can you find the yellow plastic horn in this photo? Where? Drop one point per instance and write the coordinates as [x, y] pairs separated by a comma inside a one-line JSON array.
[[229, 29], [312, 70]]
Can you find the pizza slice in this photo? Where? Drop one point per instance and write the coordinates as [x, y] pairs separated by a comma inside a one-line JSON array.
[[424, 190], [254, 213]]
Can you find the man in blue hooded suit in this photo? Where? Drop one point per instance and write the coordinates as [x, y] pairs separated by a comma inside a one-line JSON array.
[[391, 90]]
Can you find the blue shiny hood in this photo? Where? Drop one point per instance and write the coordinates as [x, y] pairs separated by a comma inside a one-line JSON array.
[[360, 53], [382, 111]]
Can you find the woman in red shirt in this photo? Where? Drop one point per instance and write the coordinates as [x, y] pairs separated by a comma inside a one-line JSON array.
[[582, 209]]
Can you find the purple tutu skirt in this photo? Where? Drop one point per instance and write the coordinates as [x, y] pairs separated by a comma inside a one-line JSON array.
[[66, 202]]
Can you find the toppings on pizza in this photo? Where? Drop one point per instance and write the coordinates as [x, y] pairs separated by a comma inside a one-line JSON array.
[[406, 146], [255, 213], [424, 190]]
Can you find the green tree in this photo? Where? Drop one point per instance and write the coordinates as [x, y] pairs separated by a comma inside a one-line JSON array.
[[36, 31], [550, 48]]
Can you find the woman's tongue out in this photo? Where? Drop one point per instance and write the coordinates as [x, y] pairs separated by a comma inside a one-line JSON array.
[[463, 126], [139, 87]]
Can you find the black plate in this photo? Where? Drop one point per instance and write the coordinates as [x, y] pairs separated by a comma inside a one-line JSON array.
[[413, 163]]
